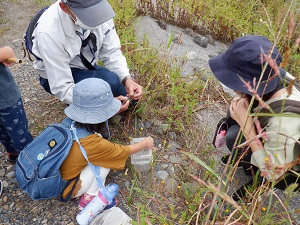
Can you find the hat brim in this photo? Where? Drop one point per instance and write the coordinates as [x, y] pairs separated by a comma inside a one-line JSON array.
[[93, 115], [234, 81], [96, 14]]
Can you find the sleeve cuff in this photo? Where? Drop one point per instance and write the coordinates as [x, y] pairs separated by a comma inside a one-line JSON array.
[[125, 79]]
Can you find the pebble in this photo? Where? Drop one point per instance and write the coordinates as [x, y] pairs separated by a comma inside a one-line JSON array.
[[164, 127], [210, 39], [157, 167], [175, 144], [162, 24], [11, 174], [189, 32], [171, 169], [172, 135], [201, 40], [192, 56], [4, 199], [164, 166], [5, 184], [177, 40], [171, 185], [11, 205], [140, 126], [189, 187], [20, 205], [175, 159], [2, 172], [157, 122], [147, 125], [162, 174]]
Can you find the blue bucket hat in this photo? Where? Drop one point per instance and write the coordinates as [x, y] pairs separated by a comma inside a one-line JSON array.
[[242, 60], [93, 102], [91, 12]]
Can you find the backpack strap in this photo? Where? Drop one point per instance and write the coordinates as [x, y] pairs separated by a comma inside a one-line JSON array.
[[86, 62], [69, 195], [92, 37], [281, 106], [28, 35], [278, 107], [95, 169]]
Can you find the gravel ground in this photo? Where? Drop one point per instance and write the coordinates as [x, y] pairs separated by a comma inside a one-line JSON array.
[[43, 109]]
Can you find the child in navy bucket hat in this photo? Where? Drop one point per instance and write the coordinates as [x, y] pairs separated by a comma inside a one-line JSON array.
[[251, 67], [93, 104], [242, 61]]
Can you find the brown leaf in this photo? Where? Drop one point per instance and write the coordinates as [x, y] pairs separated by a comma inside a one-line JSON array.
[[272, 63], [286, 56], [290, 87], [291, 27]]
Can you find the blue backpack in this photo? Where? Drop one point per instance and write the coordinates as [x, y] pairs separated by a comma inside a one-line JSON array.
[[37, 167]]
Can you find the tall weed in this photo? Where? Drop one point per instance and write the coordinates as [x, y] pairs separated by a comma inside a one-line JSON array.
[[170, 97]]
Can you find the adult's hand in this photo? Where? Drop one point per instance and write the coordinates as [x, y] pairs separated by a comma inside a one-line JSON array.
[[133, 89]]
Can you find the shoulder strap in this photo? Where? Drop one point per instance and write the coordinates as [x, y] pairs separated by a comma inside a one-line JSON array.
[[92, 37], [95, 169], [86, 62], [28, 35], [281, 106]]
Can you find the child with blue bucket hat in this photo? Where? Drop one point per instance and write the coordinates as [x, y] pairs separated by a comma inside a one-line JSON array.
[[93, 104]]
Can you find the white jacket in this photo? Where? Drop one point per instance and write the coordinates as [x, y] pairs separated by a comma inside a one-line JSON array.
[[280, 147], [57, 41]]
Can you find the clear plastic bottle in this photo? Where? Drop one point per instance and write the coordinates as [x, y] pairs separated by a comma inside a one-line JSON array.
[[99, 202], [141, 160], [220, 139]]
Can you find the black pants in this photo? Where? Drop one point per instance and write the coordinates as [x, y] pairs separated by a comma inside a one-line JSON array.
[[102, 73], [248, 168], [231, 136]]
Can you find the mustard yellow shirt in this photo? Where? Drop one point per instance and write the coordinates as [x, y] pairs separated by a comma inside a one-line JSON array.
[[100, 152]]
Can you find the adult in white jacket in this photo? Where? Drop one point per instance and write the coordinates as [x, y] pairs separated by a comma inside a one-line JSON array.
[[58, 42]]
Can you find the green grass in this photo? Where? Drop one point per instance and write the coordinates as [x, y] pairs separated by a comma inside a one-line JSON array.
[[173, 99]]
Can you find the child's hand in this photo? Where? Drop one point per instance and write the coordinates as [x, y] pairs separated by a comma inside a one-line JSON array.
[[5, 53], [149, 142], [8, 63], [124, 103]]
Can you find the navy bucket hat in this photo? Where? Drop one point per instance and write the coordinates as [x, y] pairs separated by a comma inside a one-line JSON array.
[[93, 102], [243, 60], [91, 12]]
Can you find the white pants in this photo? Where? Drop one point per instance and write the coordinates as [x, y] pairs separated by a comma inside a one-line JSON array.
[[88, 181]]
